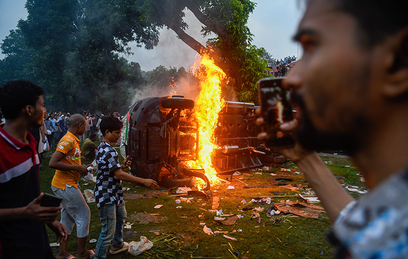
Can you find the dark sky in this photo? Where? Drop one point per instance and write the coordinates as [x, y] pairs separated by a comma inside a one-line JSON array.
[[273, 23]]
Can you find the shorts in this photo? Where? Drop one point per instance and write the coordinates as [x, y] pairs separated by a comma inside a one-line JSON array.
[[74, 210]]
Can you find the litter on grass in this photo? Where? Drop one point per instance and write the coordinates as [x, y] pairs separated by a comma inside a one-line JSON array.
[[136, 248]]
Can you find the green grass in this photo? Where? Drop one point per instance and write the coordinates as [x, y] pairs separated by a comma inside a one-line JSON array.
[[182, 236]]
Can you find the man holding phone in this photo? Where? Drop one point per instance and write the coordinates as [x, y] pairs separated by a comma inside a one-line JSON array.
[[22, 228], [351, 91]]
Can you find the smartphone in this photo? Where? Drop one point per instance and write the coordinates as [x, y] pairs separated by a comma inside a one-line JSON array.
[[49, 200], [276, 108], [130, 154]]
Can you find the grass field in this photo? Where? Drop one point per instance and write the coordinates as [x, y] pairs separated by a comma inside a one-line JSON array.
[[176, 229]]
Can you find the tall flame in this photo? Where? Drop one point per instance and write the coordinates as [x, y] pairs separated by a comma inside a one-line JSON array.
[[207, 107]]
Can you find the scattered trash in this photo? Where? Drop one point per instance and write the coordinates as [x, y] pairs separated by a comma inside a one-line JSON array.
[[301, 209], [236, 173], [259, 209], [89, 195], [230, 221], [179, 207], [230, 187], [154, 231], [92, 241], [136, 248], [230, 238], [56, 244], [128, 225], [310, 199], [219, 213], [208, 230], [182, 190], [158, 206], [178, 201], [219, 218], [126, 189], [243, 201]]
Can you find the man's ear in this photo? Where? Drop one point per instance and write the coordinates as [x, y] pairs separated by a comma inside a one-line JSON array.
[[29, 110], [397, 74]]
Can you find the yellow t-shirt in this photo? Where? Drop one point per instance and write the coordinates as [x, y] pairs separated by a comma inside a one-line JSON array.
[[69, 146]]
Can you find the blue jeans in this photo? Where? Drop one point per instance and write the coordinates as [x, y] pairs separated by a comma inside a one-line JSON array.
[[112, 218]]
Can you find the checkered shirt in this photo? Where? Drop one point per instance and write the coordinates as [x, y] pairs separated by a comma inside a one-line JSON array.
[[108, 188]]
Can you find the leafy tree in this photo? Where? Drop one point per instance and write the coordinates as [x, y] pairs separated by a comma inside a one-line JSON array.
[[231, 48], [19, 58]]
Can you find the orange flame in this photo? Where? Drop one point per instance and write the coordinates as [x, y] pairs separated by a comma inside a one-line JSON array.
[[207, 107]]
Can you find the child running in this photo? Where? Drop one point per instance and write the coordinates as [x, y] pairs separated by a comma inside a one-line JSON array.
[[108, 189]]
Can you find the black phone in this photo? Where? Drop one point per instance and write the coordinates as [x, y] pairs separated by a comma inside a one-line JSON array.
[[49, 200], [276, 108], [130, 154]]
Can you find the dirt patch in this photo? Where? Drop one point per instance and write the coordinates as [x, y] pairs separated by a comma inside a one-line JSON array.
[[145, 219], [146, 195]]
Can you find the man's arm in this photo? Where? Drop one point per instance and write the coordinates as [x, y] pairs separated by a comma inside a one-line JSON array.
[[56, 163], [33, 211], [326, 186], [332, 195], [121, 175]]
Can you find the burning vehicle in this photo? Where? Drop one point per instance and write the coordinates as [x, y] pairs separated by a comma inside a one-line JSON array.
[[161, 135]]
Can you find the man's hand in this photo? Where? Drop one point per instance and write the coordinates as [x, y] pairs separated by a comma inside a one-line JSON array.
[[150, 183], [59, 230], [36, 212]]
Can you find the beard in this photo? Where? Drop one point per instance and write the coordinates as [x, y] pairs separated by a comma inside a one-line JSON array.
[[312, 139]]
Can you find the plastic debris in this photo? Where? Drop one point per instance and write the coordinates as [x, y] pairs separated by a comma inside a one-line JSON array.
[[158, 206], [89, 195], [243, 201], [230, 238], [92, 241], [136, 248], [230, 187], [128, 225], [182, 190], [208, 230]]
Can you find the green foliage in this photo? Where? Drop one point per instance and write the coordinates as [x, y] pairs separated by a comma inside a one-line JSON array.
[[71, 48]]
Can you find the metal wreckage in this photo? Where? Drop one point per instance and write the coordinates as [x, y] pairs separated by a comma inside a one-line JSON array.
[[161, 136]]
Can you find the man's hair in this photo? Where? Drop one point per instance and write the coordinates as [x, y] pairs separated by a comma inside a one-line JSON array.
[[75, 120], [92, 136], [376, 19], [111, 124], [17, 94]]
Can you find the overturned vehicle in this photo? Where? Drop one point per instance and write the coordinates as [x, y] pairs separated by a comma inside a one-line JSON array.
[[160, 134]]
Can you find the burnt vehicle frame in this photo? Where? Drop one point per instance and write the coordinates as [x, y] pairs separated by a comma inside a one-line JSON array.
[[161, 134]]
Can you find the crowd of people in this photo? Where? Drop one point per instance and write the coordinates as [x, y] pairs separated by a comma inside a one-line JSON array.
[[351, 88], [279, 68]]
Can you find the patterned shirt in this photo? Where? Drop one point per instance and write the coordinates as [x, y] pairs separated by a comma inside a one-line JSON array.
[[69, 146], [376, 226], [108, 188]]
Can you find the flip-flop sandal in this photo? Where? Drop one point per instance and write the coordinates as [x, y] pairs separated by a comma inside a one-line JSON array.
[[91, 254]]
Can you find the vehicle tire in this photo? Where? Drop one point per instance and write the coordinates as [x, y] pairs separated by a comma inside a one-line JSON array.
[[169, 182], [179, 103]]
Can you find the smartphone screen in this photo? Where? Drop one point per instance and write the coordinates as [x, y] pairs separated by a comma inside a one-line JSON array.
[[276, 108]]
